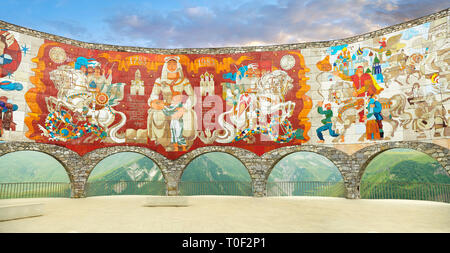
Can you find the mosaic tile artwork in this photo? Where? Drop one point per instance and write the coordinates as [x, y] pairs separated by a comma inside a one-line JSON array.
[[391, 87]]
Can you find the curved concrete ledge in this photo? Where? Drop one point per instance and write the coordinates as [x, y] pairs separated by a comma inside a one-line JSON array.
[[175, 201], [20, 211]]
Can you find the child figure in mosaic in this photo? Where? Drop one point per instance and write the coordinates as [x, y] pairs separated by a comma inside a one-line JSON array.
[[327, 124], [176, 125]]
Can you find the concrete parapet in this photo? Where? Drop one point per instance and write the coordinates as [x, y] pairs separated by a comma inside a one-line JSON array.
[[154, 201], [19, 211]]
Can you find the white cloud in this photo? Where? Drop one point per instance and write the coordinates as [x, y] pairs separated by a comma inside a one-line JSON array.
[[132, 20], [200, 11], [254, 43], [264, 23]]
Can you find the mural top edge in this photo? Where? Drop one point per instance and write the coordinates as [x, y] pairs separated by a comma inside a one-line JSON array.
[[215, 50]]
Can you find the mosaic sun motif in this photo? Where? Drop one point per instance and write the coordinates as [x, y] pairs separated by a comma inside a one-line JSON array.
[[57, 55], [287, 62]]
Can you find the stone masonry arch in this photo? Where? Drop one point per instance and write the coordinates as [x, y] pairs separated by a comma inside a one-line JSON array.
[[337, 157], [71, 161], [249, 159], [94, 157], [364, 156], [200, 154], [351, 167]]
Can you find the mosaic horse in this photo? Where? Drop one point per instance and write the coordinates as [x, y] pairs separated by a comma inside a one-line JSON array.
[[252, 110], [74, 103], [393, 110]]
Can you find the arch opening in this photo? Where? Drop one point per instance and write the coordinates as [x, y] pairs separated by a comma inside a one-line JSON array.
[[403, 173], [305, 174], [33, 174], [215, 173], [126, 173]]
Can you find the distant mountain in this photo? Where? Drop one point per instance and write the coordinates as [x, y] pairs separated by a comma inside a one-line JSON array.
[[408, 166], [215, 166], [404, 165], [305, 166], [220, 174], [133, 169], [115, 161], [126, 174], [31, 166], [301, 167]]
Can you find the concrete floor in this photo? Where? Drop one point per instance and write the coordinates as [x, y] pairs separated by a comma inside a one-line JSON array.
[[232, 214]]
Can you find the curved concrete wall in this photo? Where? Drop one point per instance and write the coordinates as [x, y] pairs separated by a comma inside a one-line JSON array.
[[389, 85], [347, 99]]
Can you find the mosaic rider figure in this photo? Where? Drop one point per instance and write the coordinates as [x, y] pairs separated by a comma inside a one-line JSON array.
[[363, 83], [171, 81]]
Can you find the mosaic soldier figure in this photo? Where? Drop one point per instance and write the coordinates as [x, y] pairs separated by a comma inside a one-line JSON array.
[[374, 126]]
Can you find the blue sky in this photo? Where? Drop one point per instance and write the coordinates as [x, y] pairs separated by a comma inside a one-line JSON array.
[[182, 23]]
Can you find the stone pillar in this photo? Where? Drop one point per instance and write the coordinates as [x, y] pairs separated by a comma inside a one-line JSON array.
[[172, 184], [352, 186], [79, 171], [172, 171], [441, 155], [350, 173], [259, 186], [258, 170], [78, 190]]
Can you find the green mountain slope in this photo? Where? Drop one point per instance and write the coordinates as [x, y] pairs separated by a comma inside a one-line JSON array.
[[215, 171], [126, 174], [215, 166], [132, 169], [305, 166], [404, 165], [31, 166], [412, 169], [113, 162]]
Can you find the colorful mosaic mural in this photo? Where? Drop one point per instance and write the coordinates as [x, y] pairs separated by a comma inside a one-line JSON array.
[[392, 87], [85, 99]]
